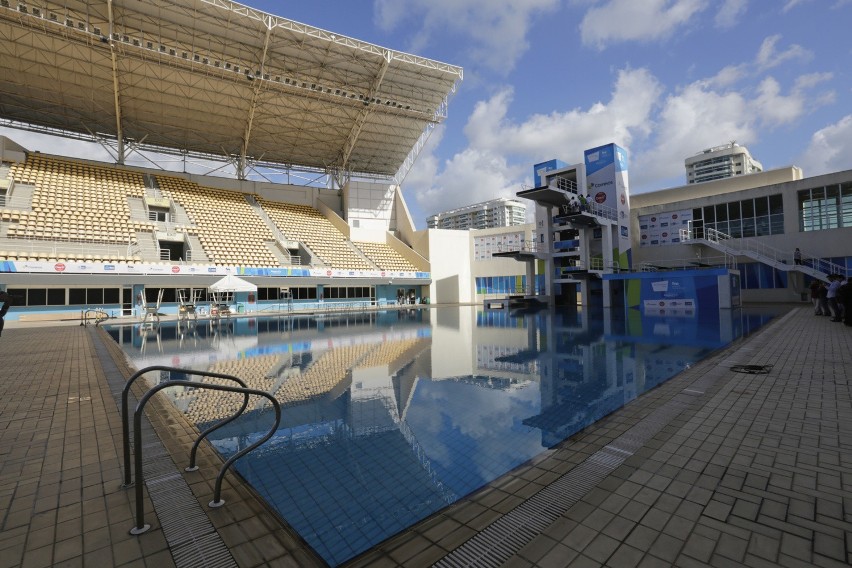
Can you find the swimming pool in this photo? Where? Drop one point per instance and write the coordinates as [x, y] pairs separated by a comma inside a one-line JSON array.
[[390, 416]]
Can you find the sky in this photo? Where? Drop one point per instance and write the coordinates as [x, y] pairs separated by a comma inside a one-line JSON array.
[[664, 79]]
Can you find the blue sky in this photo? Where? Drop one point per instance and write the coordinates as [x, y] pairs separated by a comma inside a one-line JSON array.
[[662, 78]]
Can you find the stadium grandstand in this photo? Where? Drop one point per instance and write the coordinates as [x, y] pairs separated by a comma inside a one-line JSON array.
[[241, 143]]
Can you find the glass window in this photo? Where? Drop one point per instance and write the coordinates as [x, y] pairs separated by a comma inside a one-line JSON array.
[[76, 296], [763, 226], [748, 228], [37, 297], [111, 296], [95, 296], [722, 212], [56, 296], [696, 213], [846, 206], [747, 206], [831, 192], [735, 228], [776, 204], [776, 224], [710, 214], [734, 210], [761, 206], [21, 293]]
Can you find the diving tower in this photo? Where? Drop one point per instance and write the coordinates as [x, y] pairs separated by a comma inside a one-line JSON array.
[[582, 225]]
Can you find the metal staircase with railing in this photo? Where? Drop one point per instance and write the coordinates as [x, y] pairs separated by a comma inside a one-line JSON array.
[[751, 248]]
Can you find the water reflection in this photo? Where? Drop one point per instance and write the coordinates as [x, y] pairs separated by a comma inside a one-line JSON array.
[[390, 416]]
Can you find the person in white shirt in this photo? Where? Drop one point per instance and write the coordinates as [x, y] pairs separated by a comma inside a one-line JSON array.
[[836, 283]]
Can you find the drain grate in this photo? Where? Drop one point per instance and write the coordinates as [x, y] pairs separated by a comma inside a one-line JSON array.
[[192, 539], [752, 369]]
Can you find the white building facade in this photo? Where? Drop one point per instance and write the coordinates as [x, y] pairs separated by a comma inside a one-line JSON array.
[[720, 162], [754, 223], [501, 212]]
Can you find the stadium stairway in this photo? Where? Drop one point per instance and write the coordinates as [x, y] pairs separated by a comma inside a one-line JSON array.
[[198, 253]]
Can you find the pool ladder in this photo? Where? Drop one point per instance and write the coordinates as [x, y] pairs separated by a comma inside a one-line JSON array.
[[242, 388]]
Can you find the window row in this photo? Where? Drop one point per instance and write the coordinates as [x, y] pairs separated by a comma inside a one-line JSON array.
[[828, 207], [753, 217], [65, 296], [742, 209]]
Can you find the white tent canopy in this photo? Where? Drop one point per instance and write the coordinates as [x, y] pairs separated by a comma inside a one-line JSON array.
[[231, 283]]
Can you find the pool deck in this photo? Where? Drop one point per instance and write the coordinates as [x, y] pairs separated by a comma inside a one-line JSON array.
[[716, 467]]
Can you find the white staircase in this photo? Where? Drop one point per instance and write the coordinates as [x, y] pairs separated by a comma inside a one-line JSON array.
[[198, 254], [751, 248], [147, 246]]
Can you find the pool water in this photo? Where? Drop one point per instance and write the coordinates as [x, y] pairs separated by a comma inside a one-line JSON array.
[[390, 416]]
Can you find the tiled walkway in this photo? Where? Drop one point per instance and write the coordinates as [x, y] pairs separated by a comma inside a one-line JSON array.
[[713, 468]]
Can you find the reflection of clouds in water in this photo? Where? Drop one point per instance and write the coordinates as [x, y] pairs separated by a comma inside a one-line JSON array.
[[473, 430]]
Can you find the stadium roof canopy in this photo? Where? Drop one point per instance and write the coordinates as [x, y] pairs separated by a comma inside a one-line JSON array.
[[216, 78]]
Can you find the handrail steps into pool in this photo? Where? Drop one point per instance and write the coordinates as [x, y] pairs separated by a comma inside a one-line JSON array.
[[217, 501]]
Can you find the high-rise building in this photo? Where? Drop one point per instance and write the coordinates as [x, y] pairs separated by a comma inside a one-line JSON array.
[[501, 212], [719, 162]]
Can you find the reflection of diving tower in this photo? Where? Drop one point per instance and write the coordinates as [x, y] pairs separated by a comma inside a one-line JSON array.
[[582, 224]]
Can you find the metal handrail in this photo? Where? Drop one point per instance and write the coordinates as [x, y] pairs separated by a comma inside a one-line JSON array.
[[98, 315], [523, 246], [217, 501], [125, 393], [749, 244]]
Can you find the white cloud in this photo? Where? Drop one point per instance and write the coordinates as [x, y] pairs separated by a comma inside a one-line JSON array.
[[628, 20], [830, 149], [501, 152], [768, 57], [730, 13], [729, 75], [496, 29], [471, 176], [812, 80], [692, 119], [791, 4], [659, 133], [626, 115], [774, 107]]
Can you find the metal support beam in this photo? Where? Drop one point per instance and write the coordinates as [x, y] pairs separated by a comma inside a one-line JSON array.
[[355, 132], [255, 94], [115, 91]]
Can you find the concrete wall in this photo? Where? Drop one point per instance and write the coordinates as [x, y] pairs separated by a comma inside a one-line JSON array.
[[451, 266], [498, 266], [665, 197], [369, 209]]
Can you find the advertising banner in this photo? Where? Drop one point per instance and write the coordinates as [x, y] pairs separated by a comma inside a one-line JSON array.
[[663, 228], [540, 169], [607, 185], [194, 269]]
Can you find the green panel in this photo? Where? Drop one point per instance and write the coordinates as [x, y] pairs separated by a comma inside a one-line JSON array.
[[634, 292]]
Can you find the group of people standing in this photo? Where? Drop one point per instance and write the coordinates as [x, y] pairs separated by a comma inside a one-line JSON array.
[[833, 298]]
